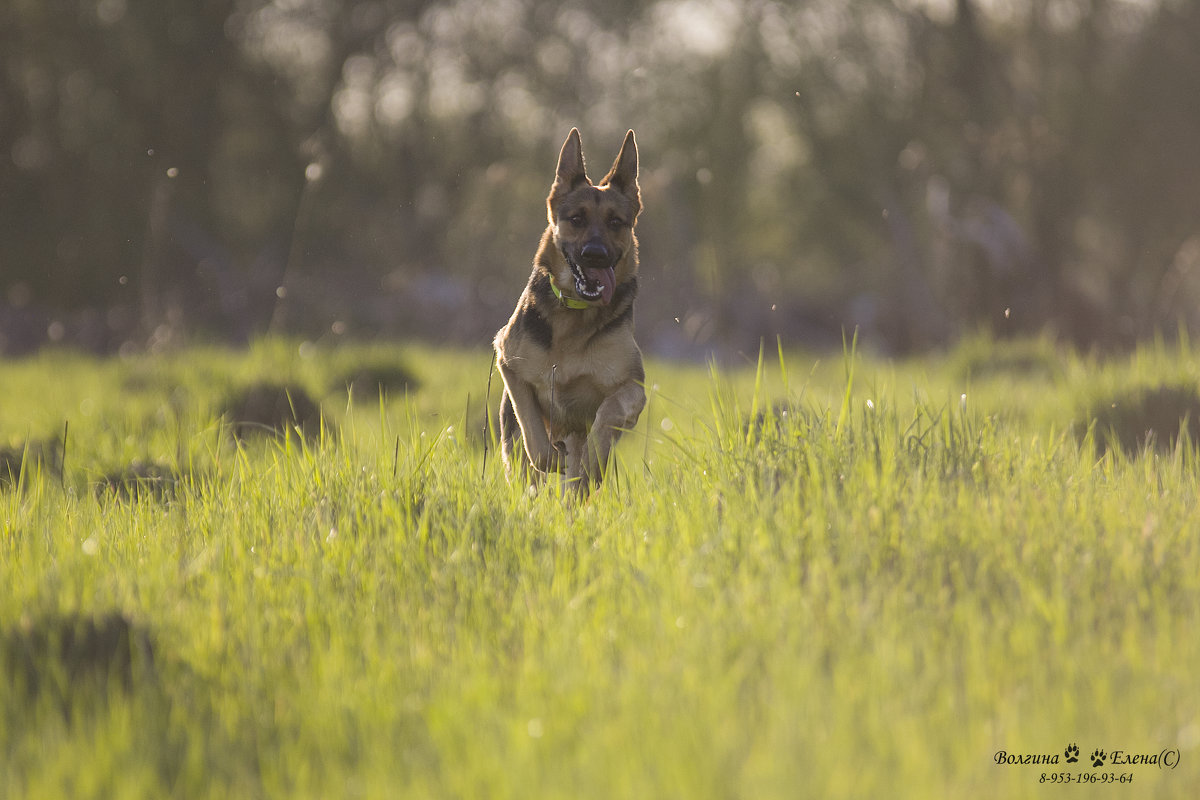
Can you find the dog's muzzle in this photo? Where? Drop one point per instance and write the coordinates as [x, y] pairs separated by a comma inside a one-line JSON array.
[[595, 274]]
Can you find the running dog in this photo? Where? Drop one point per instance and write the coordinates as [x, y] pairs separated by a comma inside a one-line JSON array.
[[573, 376]]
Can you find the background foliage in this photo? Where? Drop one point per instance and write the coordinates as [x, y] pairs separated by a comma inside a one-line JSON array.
[[919, 168]]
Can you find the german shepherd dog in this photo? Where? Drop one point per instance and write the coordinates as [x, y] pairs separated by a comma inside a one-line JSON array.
[[573, 376]]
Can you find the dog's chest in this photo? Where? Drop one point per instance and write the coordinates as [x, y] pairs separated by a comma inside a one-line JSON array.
[[570, 390], [572, 364], [572, 403]]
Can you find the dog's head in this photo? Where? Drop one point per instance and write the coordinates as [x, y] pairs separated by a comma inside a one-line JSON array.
[[593, 223]]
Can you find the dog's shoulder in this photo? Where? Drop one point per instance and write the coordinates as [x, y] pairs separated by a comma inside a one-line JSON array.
[[530, 324], [533, 317]]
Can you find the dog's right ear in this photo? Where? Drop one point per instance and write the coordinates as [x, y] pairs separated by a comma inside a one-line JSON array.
[[570, 162]]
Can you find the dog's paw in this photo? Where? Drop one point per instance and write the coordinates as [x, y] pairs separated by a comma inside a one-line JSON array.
[[1072, 753], [579, 487], [551, 460], [1098, 757]]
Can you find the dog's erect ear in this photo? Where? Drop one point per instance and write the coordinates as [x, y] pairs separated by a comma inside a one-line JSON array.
[[570, 162], [624, 172]]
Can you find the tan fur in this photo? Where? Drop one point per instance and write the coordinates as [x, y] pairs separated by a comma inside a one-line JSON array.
[[573, 376]]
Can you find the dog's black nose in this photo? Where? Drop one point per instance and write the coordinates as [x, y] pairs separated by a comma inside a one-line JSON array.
[[594, 251]]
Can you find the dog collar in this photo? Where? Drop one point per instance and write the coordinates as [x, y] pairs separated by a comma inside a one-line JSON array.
[[569, 302]]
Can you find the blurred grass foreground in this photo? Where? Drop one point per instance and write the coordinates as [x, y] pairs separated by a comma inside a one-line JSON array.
[[841, 578]]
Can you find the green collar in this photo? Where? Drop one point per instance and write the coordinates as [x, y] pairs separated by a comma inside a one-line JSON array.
[[569, 302]]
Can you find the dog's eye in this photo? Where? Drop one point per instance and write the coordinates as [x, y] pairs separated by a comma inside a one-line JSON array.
[[616, 223], [576, 219]]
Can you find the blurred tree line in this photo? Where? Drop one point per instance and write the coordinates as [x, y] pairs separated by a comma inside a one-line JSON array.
[[918, 168]]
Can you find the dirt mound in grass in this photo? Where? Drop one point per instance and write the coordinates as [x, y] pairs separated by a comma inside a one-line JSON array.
[[1029, 358], [76, 656], [367, 382], [29, 455], [272, 409], [1151, 416], [142, 479]]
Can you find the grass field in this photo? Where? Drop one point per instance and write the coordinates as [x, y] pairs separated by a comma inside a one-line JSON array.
[[824, 578]]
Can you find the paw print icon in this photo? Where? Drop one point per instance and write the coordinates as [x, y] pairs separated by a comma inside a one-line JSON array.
[[1072, 753], [1098, 757]]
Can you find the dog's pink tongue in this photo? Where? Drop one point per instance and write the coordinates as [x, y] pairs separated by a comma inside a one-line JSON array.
[[606, 279]]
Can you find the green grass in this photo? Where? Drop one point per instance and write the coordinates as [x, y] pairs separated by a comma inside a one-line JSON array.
[[834, 578]]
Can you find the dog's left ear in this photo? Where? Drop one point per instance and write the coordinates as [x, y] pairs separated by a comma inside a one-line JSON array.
[[624, 172]]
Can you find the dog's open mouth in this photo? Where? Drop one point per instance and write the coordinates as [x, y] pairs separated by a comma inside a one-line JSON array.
[[595, 284]]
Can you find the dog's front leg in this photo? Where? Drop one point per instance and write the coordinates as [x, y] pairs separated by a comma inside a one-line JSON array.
[[542, 455], [619, 412], [575, 445]]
